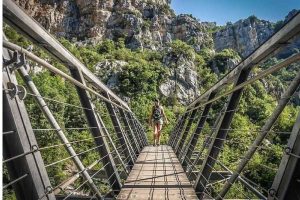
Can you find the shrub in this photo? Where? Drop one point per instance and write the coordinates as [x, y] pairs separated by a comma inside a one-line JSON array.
[[222, 58], [180, 48]]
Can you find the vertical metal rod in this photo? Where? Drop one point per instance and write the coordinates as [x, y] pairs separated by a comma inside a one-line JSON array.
[[187, 143], [142, 130], [112, 143], [138, 131], [98, 134], [191, 119], [171, 137], [130, 132], [119, 131], [221, 134], [265, 129], [195, 136], [178, 130], [204, 145], [135, 130], [131, 150], [56, 126], [175, 131]]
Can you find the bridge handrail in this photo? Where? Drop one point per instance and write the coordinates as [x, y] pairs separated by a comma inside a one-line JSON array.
[[16, 17], [278, 40], [292, 59], [128, 131], [55, 70], [118, 147], [197, 114]]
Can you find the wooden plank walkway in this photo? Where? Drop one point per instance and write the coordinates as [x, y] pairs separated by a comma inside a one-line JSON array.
[[157, 174]]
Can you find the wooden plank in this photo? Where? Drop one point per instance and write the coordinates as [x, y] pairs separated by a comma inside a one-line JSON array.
[[157, 174]]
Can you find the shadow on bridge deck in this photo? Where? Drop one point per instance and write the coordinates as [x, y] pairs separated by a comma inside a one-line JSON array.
[[157, 174]]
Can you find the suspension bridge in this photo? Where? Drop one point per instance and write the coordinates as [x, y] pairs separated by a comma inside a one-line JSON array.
[[124, 165]]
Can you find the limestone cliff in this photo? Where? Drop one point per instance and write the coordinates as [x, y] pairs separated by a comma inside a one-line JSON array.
[[151, 24], [245, 35], [143, 23]]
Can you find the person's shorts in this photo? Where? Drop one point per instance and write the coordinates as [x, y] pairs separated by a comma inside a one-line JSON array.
[[160, 121]]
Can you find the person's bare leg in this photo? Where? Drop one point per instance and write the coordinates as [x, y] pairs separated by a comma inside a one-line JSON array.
[[159, 126], [154, 134], [157, 132]]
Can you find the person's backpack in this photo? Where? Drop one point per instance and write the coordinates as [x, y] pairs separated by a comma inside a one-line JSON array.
[[157, 113]]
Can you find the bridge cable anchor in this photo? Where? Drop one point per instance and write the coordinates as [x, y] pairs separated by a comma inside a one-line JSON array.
[[287, 150], [16, 90], [34, 148], [48, 190], [272, 192]]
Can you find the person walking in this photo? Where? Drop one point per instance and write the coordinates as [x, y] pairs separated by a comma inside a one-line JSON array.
[[156, 120]]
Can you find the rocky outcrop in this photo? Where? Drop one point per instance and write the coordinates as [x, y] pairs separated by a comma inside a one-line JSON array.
[[149, 24], [229, 64], [244, 36], [143, 23], [186, 81], [182, 81], [294, 47], [109, 71], [190, 30]]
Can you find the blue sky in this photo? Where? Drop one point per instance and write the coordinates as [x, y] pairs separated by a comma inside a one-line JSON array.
[[222, 11]]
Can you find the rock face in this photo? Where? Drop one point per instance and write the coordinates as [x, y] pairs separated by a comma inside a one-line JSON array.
[[244, 36], [294, 47], [109, 71], [143, 23], [149, 24], [183, 81]]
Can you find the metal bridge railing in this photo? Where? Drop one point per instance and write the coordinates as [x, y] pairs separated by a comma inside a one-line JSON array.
[[54, 158], [114, 149], [111, 137], [205, 129]]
